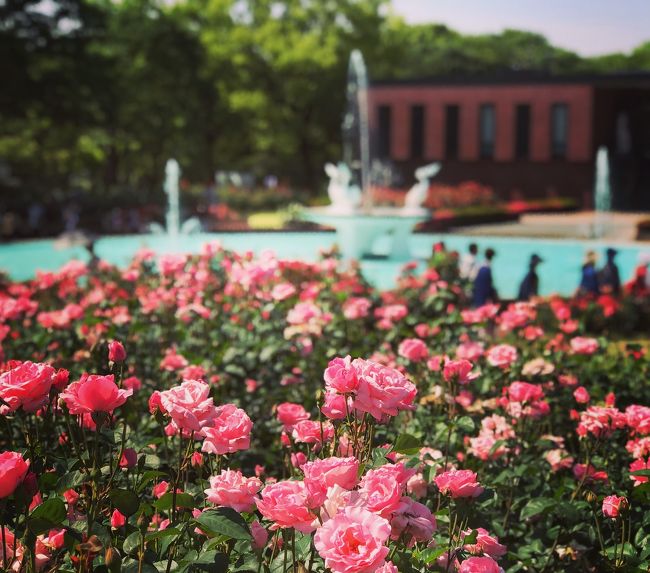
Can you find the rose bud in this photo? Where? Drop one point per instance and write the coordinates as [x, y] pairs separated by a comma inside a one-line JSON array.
[[116, 352]]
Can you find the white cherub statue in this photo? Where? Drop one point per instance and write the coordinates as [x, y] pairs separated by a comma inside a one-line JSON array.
[[417, 194], [343, 196]]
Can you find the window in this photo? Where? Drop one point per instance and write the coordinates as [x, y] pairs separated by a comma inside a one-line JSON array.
[[487, 130], [522, 131], [559, 129], [384, 118], [451, 131], [417, 131]]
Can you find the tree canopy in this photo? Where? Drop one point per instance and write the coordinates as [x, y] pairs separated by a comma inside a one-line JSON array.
[[99, 93]]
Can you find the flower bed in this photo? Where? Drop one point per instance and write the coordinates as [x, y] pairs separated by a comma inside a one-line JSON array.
[[221, 412]]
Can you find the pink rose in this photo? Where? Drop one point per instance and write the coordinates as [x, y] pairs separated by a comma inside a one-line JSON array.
[[459, 483], [524, 392], [638, 418], [160, 489], [581, 395], [325, 473], [485, 544], [381, 490], [116, 352], [290, 414], [312, 432], [117, 520], [353, 541], [189, 405], [502, 355], [286, 504], [260, 535], [479, 565], [584, 345], [231, 489], [13, 469], [341, 376], [27, 385], [382, 391], [612, 506], [412, 521], [334, 406], [94, 393], [459, 371], [230, 431], [283, 291], [413, 349], [355, 308]]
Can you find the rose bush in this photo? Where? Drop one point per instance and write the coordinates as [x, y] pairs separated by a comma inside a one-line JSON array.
[[224, 412]]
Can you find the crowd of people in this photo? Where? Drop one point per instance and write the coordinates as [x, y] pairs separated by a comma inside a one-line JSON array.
[[594, 281]]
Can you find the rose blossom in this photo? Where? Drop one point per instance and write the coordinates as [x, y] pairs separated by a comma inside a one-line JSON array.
[[459, 483], [116, 352], [479, 565], [381, 489], [355, 308], [230, 431], [231, 489], [290, 414], [260, 535], [28, 385], [13, 469], [189, 405], [94, 393], [502, 355], [459, 371], [524, 392], [613, 504], [117, 519], [485, 544], [286, 503], [583, 345], [412, 520], [353, 541], [312, 432], [581, 395], [341, 376], [382, 390], [325, 473], [413, 349]]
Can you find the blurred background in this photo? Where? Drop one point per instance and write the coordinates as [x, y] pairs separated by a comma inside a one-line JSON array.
[[514, 98]]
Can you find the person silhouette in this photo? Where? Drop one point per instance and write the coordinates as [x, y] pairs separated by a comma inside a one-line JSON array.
[[589, 278], [483, 290], [609, 277], [529, 286]]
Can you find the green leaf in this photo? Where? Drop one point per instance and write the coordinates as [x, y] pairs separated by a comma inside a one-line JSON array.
[[49, 514], [125, 501], [537, 506], [466, 424], [183, 500], [641, 473], [407, 444], [148, 477], [132, 543], [160, 534], [70, 480], [213, 561], [223, 521]]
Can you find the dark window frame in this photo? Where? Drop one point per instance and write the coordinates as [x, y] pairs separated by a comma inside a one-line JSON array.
[[487, 148], [384, 130], [452, 131], [522, 131], [559, 146], [418, 115]]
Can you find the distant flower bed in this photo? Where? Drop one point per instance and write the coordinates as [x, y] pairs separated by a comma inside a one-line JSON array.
[[221, 412]]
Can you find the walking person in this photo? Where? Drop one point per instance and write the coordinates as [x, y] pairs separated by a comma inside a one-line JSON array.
[[609, 277], [483, 289], [529, 286], [469, 263], [589, 279]]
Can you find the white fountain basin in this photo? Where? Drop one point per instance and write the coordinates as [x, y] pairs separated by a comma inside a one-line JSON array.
[[357, 231]]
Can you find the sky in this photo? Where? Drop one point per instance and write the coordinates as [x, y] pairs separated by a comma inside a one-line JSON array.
[[588, 27]]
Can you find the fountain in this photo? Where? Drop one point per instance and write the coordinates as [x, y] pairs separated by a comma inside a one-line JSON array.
[[351, 212], [172, 217], [602, 194]]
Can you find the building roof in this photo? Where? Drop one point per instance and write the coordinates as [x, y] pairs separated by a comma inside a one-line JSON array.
[[616, 79]]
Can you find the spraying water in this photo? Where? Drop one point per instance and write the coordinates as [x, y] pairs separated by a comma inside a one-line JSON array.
[[602, 192], [356, 131], [171, 187]]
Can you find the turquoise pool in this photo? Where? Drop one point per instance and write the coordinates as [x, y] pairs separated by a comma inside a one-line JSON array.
[[558, 274]]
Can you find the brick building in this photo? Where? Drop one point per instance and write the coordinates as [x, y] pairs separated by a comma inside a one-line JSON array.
[[523, 135]]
